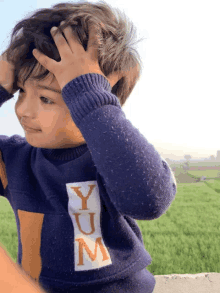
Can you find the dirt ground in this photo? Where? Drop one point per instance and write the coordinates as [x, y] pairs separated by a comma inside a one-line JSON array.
[[198, 283]]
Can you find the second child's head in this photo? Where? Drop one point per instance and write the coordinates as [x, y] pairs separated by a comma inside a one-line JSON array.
[[44, 109]]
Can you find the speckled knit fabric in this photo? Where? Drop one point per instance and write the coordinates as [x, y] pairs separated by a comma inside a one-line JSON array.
[[76, 208]]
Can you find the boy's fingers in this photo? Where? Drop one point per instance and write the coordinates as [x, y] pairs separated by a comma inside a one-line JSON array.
[[93, 42], [42, 59]]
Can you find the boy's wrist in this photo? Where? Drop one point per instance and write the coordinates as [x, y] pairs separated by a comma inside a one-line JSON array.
[[6, 87]]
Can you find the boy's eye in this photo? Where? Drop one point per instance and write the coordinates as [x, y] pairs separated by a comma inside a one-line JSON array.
[[45, 100]]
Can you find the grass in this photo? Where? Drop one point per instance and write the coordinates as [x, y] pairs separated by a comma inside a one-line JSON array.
[[8, 229], [185, 240]]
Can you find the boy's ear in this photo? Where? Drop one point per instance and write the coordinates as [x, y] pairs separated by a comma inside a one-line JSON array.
[[131, 73], [114, 77]]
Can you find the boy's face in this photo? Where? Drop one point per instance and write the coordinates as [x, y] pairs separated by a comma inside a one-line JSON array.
[[46, 110]]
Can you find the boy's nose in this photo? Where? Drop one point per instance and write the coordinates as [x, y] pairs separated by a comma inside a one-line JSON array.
[[26, 107]]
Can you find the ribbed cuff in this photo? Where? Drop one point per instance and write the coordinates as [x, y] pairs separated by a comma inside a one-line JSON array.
[[87, 93]]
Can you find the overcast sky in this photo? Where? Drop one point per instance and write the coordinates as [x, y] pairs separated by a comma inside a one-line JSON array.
[[176, 102]]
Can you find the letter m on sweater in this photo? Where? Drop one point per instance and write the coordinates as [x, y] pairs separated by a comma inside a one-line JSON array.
[[84, 208]]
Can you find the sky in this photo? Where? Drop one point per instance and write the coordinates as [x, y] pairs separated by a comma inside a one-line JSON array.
[[175, 104]]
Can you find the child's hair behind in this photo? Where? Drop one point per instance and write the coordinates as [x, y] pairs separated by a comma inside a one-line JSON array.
[[115, 53]]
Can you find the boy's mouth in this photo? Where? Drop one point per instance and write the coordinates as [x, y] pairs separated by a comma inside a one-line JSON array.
[[28, 129], [26, 126]]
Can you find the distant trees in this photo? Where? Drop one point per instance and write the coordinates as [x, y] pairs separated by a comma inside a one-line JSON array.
[[168, 161], [185, 165], [212, 158], [182, 168], [187, 157], [218, 156]]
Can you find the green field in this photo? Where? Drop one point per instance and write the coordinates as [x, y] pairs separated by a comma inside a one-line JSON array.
[[185, 240]]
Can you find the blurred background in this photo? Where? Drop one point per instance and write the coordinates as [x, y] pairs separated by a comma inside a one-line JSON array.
[[176, 102]]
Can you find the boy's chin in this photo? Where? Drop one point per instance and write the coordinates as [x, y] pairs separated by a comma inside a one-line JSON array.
[[38, 142]]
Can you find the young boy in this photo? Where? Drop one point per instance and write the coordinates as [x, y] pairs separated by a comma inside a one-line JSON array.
[[81, 176]]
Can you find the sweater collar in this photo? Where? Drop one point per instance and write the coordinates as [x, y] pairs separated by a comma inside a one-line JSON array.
[[65, 154]]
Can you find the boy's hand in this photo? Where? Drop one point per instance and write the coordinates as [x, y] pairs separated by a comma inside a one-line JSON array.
[[7, 74], [75, 61], [13, 279]]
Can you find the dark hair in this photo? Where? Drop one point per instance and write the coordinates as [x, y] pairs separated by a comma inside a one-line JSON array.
[[115, 53]]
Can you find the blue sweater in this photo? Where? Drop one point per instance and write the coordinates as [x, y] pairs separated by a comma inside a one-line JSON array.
[[76, 208]]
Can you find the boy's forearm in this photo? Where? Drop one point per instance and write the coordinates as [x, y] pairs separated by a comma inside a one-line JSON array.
[[13, 279]]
